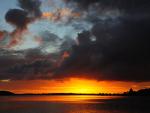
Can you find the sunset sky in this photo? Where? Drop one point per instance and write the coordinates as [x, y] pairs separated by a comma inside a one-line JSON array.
[[74, 46]]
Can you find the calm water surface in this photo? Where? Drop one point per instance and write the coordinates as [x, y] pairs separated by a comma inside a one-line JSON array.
[[74, 104]]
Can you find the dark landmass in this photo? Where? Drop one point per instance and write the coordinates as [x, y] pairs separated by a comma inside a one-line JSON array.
[[141, 92], [131, 92], [6, 93]]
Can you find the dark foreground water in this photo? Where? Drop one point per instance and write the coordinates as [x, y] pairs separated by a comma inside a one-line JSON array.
[[74, 104]]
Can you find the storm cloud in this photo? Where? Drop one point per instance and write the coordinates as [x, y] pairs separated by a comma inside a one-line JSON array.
[[18, 18], [119, 52], [39, 69], [21, 17], [126, 5], [114, 47], [26, 65], [28, 12], [31, 6]]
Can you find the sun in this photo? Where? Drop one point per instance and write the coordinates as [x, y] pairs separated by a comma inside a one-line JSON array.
[[82, 86]]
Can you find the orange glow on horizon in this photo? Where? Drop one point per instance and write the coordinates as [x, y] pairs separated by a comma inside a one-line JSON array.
[[72, 85]]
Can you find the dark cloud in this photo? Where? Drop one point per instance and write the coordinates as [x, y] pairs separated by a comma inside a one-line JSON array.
[[125, 5], [109, 51], [115, 48], [28, 12], [120, 52], [8, 59], [17, 17], [35, 70], [21, 17], [31, 6], [27, 64], [66, 45]]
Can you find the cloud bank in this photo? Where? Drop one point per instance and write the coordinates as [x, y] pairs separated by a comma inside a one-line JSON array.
[[114, 47]]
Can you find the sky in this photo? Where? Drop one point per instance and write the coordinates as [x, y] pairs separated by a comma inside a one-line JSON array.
[[79, 46]]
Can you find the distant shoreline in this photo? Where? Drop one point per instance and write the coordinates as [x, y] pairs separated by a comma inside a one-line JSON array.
[[142, 92]]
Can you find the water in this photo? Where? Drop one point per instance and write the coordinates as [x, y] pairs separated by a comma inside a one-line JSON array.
[[74, 104]]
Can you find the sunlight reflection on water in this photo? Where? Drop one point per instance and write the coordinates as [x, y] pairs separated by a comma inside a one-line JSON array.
[[74, 104], [74, 98]]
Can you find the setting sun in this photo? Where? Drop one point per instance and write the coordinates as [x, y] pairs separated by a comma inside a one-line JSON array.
[[83, 86]]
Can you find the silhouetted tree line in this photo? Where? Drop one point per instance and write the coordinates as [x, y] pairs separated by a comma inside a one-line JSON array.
[[141, 92]]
